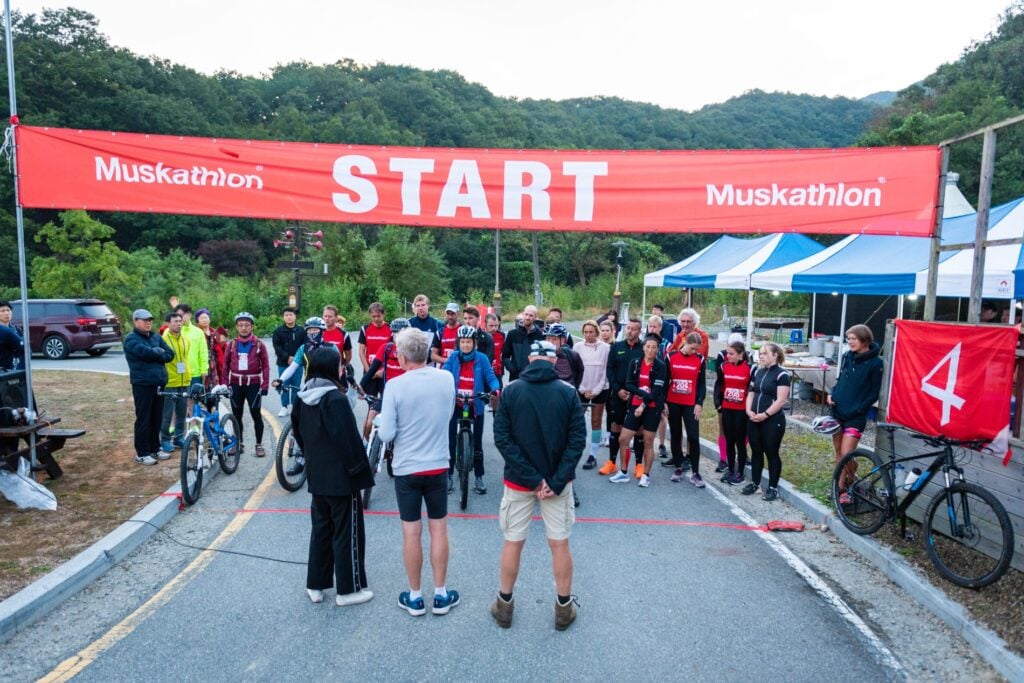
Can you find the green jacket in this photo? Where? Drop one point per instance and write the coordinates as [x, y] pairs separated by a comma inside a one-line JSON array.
[[198, 352], [181, 346]]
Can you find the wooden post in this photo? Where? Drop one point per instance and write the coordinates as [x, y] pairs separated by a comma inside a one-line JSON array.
[[988, 164], [933, 257]]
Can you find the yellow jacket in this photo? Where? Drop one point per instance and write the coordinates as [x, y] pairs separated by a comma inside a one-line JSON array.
[[181, 346]]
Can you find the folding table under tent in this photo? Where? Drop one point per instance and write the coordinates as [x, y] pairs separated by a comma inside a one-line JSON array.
[[729, 263]]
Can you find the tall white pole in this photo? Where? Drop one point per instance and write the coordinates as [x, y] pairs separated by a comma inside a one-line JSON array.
[[750, 317], [20, 219]]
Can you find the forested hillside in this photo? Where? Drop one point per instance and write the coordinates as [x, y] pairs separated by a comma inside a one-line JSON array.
[[69, 75]]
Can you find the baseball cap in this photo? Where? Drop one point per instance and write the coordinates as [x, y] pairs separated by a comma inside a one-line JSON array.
[[142, 314], [542, 349], [452, 307]]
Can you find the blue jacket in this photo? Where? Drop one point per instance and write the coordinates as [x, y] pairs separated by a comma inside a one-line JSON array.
[[12, 348], [146, 356], [482, 372]]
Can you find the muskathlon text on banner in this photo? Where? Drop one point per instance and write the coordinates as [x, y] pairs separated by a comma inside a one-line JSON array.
[[850, 190]]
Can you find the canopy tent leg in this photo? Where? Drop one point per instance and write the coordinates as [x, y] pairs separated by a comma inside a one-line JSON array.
[[842, 334], [899, 306], [750, 317], [643, 302], [814, 307]]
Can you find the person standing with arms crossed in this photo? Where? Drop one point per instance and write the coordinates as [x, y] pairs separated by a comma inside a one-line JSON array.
[[147, 354], [414, 416], [540, 432]]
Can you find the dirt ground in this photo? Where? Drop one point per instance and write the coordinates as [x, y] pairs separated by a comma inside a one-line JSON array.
[[101, 487]]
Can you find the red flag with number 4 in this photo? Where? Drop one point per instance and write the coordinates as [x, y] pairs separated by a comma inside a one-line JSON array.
[[953, 380]]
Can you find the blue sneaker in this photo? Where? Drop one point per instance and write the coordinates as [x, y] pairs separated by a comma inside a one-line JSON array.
[[442, 605], [166, 446], [413, 607]]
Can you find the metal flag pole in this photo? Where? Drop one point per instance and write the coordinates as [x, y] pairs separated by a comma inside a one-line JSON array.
[[8, 38]]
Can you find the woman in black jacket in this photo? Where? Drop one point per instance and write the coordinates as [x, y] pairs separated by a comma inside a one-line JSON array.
[[337, 470], [856, 390], [645, 381]]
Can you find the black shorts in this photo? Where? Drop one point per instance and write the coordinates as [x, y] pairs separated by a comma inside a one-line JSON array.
[[374, 386], [599, 399], [858, 423], [648, 421], [412, 490], [616, 409]]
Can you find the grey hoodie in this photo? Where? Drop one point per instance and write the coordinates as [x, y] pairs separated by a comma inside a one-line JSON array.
[[315, 389]]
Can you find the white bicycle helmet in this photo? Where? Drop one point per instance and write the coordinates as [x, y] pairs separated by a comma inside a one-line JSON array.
[[825, 424]]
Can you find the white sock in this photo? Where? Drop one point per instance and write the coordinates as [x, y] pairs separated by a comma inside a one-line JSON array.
[[441, 591], [414, 595]]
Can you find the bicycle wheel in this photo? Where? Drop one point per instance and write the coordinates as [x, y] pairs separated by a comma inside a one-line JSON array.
[[229, 445], [374, 455], [465, 463], [869, 484], [968, 535], [286, 461], [191, 470]]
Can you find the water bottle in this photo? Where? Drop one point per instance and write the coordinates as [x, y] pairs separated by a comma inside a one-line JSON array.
[[901, 477], [912, 476]]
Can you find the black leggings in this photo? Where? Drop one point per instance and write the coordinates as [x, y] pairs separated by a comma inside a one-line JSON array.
[[240, 395], [734, 429], [765, 441], [678, 415]]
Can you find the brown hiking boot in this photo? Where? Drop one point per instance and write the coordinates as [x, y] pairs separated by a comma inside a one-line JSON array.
[[502, 611], [565, 614]]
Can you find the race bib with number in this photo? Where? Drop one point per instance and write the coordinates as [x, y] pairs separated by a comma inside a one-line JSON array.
[[682, 386], [181, 368], [733, 395], [243, 363]]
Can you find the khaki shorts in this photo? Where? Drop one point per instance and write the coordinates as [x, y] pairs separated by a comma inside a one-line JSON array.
[[558, 512]]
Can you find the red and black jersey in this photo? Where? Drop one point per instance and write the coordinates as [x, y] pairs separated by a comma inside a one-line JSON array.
[[499, 344], [374, 337], [732, 386], [338, 337], [644, 383], [388, 356], [467, 378], [686, 384], [448, 340]]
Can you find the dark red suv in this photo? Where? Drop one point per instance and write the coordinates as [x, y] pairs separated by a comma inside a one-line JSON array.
[[62, 326]]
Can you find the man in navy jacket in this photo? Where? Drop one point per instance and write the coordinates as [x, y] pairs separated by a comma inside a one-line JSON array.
[[147, 355]]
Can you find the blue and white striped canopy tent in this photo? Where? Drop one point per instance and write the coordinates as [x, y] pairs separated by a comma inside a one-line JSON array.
[[729, 263]]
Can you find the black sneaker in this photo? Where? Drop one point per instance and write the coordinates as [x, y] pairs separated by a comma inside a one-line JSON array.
[[591, 463], [750, 489], [686, 465], [662, 452], [722, 467], [575, 499], [726, 478], [669, 463], [771, 494]]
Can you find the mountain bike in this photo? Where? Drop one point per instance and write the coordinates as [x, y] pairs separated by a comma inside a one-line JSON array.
[[464, 442], [289, 463], [376, 451], [968, 535], [207, 432]]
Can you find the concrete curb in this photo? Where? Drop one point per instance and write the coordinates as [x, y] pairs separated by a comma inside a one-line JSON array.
[[46, 594], [988, 644]]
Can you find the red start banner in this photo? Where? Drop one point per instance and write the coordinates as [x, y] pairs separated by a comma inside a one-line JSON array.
[[952, 380], [885, 191]]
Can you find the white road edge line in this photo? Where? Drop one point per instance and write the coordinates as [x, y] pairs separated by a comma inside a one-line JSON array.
[[884, 655]]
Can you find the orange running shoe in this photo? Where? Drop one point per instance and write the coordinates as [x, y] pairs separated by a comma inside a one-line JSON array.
[[639, 471], [607, 468]]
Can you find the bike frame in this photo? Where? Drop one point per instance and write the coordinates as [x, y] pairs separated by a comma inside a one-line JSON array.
[[468, 415], [211, 428]]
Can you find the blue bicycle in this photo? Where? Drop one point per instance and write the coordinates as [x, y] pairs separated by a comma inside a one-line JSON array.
[[208, 432]]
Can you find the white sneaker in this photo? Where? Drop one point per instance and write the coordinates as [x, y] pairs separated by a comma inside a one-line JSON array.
[[356, 598], [284, 412], [619, 477], [315, 596], [645, 481], [145, 459]]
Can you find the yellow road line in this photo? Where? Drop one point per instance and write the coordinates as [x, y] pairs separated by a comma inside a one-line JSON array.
[[73, 665]]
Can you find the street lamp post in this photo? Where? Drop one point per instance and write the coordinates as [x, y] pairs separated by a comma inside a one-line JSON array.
[[297, 240], [617, 296]]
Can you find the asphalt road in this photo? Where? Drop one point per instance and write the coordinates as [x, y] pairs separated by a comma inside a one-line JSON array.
[[671, 586]]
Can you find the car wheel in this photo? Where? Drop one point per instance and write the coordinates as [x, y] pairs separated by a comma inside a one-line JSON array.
[[55, 348], [96, 353]]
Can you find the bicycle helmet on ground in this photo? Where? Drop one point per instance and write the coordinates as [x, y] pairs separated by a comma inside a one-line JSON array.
[[556, 330], [245, 315], [316, 322], [399, 324], [466, 332], [825, 424]]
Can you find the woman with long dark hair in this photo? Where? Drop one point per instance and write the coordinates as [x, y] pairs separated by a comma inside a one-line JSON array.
[[769, 391], [337, 470]]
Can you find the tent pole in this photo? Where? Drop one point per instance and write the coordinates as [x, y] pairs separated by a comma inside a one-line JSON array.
[[814, 306], [988, 163], [936, 241], [643, 302], [750, 317], [842, 334], [20, 219], [899, 306]]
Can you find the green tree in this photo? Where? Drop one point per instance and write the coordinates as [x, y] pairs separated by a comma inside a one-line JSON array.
[[407, 262]]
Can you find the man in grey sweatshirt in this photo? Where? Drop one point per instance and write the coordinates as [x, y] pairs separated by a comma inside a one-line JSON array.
[[414, 414]]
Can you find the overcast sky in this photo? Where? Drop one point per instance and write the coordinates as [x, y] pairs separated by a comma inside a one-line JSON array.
[[673, 53]]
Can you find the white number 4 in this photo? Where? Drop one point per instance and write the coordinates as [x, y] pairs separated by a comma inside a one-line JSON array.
[[945, 394]]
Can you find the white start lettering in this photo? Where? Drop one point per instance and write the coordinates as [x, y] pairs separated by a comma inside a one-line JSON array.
[[113, 170], [815, 194], [526, 187]]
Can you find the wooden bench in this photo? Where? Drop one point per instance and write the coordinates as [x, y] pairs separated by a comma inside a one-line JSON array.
[[48, 441]]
